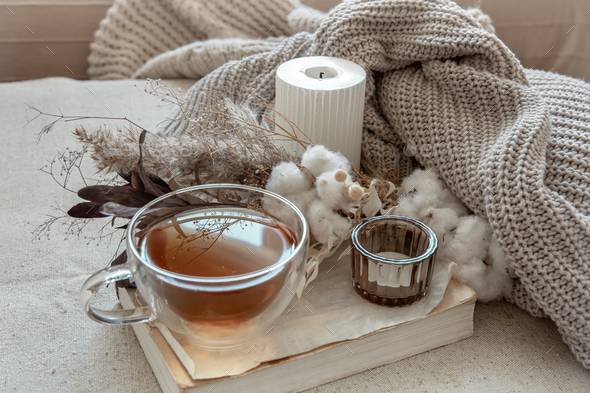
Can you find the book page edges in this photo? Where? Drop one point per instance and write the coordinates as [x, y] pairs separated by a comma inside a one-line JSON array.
[[456, 294]]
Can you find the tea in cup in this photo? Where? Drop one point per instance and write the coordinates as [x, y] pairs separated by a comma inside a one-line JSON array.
[[211, 262]]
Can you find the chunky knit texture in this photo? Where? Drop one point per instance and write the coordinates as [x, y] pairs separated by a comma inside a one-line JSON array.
[[514, 146], [135, 31]]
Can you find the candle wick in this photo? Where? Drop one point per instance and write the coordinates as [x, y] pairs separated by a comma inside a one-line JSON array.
[[321, 73]]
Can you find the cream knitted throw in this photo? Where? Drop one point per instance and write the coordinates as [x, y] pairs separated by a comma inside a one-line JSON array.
[[514, 146]]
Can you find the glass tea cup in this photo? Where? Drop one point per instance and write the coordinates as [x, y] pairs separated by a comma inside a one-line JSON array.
[[393, 260], [244, 250]]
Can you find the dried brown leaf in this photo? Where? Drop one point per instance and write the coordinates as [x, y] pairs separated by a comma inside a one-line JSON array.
[[124, 195], [148, 184], [86, 210], [117, 210]]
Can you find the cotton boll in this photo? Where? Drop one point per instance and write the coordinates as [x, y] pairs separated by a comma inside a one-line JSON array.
[[287, 179], [323, 221], [463, 238], [280, 211], [303, 199], [407, 207], [423, 182], [320, 227], [411, 204], [331, 191], [415, 178], [498, 285], [498, 263], [441, 221], [469, 240], [449, 200], [423, 190], [414, 204], [473, 273], [486, 283], [418, 192], [484, 280], [317, 159]]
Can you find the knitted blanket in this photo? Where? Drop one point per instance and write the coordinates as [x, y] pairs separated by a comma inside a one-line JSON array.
[[513, 145]]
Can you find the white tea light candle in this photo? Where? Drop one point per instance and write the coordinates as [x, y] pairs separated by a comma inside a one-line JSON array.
[[395, 275], [393, 260], [325, 98], [398, 256]]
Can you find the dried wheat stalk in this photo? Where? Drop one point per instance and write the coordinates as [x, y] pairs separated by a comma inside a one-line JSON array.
[[223, 142]]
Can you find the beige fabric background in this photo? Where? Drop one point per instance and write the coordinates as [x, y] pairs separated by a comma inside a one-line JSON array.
[[47, 344], [66, 27], [545, 35], [539, 32], [529, 27]]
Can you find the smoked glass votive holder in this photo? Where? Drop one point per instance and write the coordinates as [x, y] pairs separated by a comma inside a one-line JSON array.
[[393, 260]]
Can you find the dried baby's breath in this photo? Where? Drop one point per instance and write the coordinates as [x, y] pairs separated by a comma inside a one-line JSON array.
[[217, 142], [220, 142]]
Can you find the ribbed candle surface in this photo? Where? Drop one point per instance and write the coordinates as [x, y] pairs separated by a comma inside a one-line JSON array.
[[325, 98]]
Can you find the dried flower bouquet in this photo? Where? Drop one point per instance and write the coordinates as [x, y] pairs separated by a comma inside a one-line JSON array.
[[219, 143]]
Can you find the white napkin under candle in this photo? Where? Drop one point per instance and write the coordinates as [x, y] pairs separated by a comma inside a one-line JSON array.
[[330, 311]]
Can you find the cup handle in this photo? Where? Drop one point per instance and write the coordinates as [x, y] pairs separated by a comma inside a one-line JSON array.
[[114, 317]]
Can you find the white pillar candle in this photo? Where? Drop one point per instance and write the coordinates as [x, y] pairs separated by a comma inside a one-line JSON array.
[[325, 98]]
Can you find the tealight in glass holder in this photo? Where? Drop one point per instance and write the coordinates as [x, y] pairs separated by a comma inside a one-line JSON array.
[[393, 260]]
